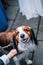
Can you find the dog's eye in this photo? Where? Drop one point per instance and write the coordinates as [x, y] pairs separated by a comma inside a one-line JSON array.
[[26, 30], [17, 32]]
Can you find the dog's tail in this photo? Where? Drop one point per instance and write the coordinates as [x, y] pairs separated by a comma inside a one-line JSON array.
[[34, 38]]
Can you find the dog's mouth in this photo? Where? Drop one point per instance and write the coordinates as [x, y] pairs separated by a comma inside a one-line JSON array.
[[25, 40]]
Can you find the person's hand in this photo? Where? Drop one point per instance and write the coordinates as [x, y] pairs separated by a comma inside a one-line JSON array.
[[12, 53]]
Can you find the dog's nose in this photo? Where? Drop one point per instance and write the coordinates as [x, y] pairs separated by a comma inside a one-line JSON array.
[[22, 35]]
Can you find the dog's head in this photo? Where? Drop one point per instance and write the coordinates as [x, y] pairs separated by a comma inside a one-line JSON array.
[[24, 37]]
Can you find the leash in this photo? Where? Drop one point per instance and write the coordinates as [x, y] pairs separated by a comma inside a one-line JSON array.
[[38, 26]]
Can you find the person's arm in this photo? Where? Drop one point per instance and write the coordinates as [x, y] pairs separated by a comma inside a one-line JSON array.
[[12, 53], [5, 59]]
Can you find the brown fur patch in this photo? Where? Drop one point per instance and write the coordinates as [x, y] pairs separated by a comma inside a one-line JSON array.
[[5, 38], [15, 33]]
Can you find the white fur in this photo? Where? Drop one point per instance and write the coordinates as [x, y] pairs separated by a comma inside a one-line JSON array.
[[27, 47]]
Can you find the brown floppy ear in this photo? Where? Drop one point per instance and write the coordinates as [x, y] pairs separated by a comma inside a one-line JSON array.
[[15, 43], [33, 37]]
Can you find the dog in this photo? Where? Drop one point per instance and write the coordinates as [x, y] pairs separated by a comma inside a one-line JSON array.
[[24, 41]]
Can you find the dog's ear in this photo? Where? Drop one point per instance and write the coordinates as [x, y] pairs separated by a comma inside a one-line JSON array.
[[15, 43], [33, 37]]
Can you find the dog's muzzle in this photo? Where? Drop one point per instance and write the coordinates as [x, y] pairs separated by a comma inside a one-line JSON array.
[[23, 38]]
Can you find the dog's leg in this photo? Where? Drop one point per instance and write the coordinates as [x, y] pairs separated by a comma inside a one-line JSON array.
[[15, 59], [28, 61]]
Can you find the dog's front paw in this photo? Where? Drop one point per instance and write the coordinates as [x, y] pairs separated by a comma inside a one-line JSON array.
[[29, 62]]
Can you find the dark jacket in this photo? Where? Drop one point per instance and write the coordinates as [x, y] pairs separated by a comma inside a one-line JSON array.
[[1, 62]]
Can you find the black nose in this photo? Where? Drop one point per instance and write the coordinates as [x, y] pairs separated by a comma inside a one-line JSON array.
[[22, 35]]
